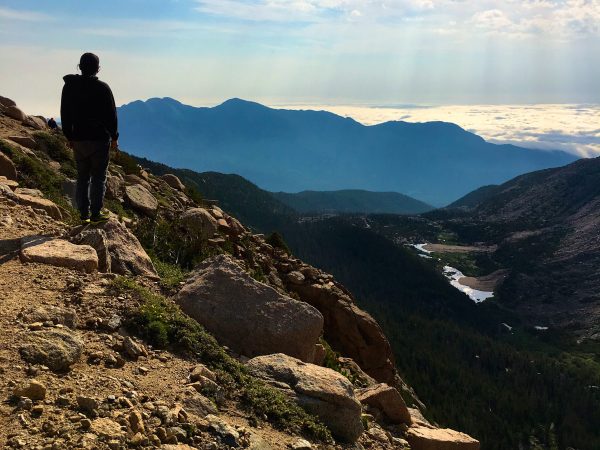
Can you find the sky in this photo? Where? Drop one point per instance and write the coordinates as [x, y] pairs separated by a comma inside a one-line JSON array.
[[312, 52]]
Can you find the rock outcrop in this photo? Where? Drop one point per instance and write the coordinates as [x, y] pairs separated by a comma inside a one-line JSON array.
[[173, 181], [25, 141], [114, 186], [56, 349], [16, 113], [321, 391], [97, 239], [59, 252], [7, 168], [42, 204], [127, 255], [141, 199], [246, 315], [424, 438], [348, 329], [387, 400], [199, 221]]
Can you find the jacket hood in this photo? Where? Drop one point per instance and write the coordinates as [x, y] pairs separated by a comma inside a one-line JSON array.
[[73, 78]]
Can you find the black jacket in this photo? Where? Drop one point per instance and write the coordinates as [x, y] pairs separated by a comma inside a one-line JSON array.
[[87, 109]]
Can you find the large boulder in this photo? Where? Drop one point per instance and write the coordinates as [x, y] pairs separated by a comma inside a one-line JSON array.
[[320, 391], [114, 187], [199, 221], [57, 315], [7, 168], [387, 400], [25, 141], [246, 315], [127, 256], [140, 199], [425, 438], [56, 349], [59, 252], [132, 179], [37, 122], [173, 181], [15, 112], [7, 102], [97, 239], [11, 184], [350, 330], [41, 204]]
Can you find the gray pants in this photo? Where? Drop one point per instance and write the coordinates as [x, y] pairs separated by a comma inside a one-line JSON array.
[[92, 162]]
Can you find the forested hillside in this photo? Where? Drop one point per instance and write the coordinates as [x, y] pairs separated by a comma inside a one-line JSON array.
[[533, 390]]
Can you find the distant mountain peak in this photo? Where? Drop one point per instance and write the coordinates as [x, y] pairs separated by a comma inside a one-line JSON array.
[[240, 103]]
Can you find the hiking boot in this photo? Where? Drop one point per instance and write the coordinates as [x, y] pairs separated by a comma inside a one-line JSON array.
[[85, 219], [101, 217]]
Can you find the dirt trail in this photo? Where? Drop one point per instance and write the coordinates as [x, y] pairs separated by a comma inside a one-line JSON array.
[[158, 378]]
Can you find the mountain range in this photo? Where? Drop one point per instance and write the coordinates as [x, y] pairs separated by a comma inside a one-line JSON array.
[[352, 201], [292, 151], [546, 226]]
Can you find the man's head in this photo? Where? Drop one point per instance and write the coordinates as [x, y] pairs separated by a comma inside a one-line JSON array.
[[89, 64]]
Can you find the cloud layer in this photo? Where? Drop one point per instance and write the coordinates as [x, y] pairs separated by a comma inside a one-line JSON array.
[[572, 128]]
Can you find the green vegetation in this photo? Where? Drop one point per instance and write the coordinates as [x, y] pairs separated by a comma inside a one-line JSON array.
[[509, 390], [117, 207], [55, 147], [236, 195], [171, 275], [127, 162], [474, 264], [36, 174], [164, 239], [164, 325], [331, 361], [276, 240]]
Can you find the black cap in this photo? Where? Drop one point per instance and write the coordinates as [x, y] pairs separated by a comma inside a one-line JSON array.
[[89, 63]]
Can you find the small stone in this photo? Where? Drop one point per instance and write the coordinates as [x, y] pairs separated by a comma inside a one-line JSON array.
[[32, 389], [87, 404], [25, 403], [301, 444], [37, 410], [86, 424], [136, 423], [138, 439], [125, 402], [133, 349], [226, 432], [177, 432], [202, 371]]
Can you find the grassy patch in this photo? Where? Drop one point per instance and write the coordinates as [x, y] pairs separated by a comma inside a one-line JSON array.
[[170, 274], [465, 262], [164, 325], [116, 207]]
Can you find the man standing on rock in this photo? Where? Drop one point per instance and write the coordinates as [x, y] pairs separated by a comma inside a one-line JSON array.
[[89, 121]]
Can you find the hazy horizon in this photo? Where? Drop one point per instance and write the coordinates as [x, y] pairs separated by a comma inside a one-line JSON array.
[[341, 55]]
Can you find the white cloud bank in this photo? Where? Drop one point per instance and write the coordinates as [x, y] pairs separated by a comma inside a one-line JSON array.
[[572, 128]]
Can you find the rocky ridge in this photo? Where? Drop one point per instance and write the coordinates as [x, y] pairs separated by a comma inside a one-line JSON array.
[[77, 374]]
